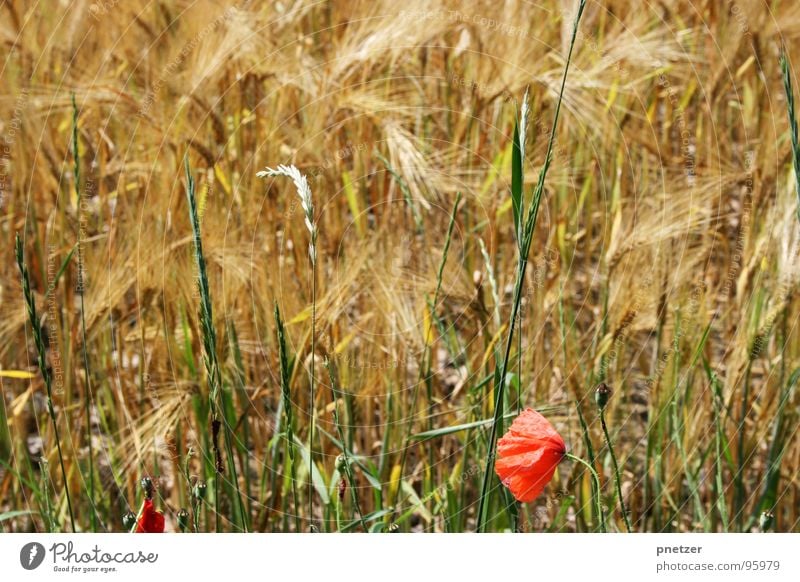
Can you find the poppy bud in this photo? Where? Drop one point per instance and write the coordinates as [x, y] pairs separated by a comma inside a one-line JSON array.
[[601, 395], [147, 485], [128, 520], [183, 519], [765, 522], [341, 463], [199, 491]]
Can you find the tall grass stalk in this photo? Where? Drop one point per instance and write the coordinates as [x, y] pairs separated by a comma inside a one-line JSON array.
[[306, 202], [213, 370], [409, 199], [286, 399], [678, 425], [493, 286], [525, 245], [244, 401], [425, 366], [30, 304], [517, 200], [87, 397], [790, 109], [741, 457], [50, 523], [348, 470], [428, 354], [587, 440], [778, 442], [720, 445]]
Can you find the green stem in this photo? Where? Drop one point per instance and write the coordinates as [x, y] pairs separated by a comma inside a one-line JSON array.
[[88, 395], [719, 436], [596, 479], [213, 371], [347, 469], [738, 508], [42, 362], [525, 246], [589, 449], [196, 515], [427, 355], [616, 471], [313, 374], [287, 410]]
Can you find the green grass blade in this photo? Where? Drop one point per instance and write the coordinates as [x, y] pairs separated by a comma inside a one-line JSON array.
[[530, 224], [87, 397], [516, 183], [787, 85]]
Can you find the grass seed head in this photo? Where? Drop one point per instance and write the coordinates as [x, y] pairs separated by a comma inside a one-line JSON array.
[[306, 202]]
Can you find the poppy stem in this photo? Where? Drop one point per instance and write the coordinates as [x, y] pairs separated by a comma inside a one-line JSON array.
[[616, 471], [572, 457], [589, 448]]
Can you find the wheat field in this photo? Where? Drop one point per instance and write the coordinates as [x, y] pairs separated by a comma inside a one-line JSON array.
[[664, 263]]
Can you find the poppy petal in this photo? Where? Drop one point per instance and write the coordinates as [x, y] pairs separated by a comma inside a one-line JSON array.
[[524, 488], [529, 465], [157, 523], [151, 521], [533, 425], [514, 444], [528, 454]]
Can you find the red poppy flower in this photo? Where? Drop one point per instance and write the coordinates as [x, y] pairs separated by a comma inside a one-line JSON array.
[[151, 521], [528, 454]]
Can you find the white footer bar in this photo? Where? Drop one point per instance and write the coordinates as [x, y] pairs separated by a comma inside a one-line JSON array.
[[402, 557]]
